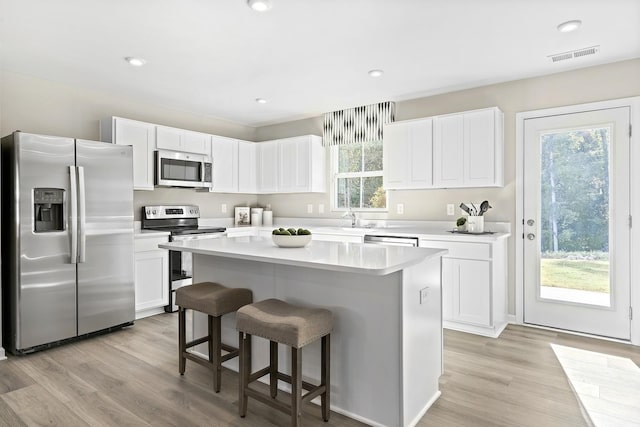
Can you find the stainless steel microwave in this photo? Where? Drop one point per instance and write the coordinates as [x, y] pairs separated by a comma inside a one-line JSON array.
[[178, 169]]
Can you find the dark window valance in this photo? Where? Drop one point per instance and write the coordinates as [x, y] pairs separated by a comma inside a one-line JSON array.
[[356, 125]]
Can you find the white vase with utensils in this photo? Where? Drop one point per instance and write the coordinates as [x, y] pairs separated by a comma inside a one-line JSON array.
[[475, 224]]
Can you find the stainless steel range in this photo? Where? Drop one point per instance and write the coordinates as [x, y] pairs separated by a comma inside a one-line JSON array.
[[182, 224]]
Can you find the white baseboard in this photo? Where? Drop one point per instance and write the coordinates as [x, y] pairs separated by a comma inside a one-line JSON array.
[[2, 354], [492, 332], [511, 319], [424, 410], [149, 312]]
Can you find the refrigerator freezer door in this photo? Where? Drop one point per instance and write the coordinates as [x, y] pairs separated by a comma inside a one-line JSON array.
[[106, 260], [46, 279]]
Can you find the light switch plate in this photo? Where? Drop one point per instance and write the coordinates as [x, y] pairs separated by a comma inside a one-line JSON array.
[[400, 208], [223, 208], [451, 209], [321, 208], [309, 208], [424, 293]]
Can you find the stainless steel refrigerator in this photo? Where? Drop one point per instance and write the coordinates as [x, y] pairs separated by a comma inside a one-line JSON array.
[[67, 239]]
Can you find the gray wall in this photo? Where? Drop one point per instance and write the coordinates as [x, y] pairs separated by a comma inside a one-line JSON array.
[[41, 106], [618, 80]]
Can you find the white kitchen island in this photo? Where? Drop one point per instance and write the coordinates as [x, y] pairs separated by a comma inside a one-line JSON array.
[[386, 346]]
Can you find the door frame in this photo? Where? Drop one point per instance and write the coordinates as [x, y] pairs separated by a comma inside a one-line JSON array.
[[634, 104]]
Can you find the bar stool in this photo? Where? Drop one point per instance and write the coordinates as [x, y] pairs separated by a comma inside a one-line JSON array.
[[214, 300], [294, 326]]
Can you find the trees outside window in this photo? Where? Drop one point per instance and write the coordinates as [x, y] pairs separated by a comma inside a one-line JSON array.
[[575, 191], [357, 177]]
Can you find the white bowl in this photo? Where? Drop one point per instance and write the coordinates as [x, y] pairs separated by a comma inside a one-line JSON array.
[[291, 241]]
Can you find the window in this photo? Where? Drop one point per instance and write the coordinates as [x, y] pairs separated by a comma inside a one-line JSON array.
[[357, 177]]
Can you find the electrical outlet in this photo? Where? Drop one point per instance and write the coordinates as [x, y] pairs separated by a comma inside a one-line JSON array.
[[309, 208], [400, 208], [223, 208], [424, 293], [321, 208], [450, 209]]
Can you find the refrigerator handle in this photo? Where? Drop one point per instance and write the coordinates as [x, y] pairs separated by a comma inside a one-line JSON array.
[[74, 214], [82, 211]]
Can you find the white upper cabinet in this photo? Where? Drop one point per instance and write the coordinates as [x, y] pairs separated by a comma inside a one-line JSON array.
[[483, 151], [468, 149], [302, 165], [291, 165], [407, 154], [247, 165], [224, 155], [168, 138], [448, 146], [268, 166], [142, 137]]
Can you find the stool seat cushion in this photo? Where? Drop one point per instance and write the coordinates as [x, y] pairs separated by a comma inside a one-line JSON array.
[[212, 298], [284, 323]]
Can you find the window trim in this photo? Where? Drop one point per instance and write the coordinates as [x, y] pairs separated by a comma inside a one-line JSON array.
[[335, 175]]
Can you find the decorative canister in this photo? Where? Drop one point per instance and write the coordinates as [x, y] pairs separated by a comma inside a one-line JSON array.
[[256, 216], [267, 218]]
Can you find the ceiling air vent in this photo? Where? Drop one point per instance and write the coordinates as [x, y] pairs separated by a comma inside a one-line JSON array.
[[574, 54]]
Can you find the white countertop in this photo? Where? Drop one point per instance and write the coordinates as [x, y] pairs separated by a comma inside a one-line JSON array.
[[143, 234], [427, 233], [335, 256]]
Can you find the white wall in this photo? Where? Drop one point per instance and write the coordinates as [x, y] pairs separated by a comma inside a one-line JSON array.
[[618, 80]]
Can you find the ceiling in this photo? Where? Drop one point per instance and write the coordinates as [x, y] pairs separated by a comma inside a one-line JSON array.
[[215, 57]]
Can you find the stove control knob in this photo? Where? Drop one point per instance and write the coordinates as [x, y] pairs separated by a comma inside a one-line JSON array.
[[155, 211]]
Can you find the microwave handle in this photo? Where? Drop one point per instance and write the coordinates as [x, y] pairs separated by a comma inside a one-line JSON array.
[[204, 165]]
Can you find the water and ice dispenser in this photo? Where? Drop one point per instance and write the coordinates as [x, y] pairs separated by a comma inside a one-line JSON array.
[[48, 209]]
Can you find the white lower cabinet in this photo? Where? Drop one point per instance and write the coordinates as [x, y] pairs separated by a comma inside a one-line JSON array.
[[151, 276], [474, 286], [467, 296]]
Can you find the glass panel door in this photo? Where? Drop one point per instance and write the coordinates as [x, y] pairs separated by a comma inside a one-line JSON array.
[[576, 222]]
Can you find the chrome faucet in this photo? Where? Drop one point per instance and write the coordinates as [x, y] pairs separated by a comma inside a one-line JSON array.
[[352, 215]]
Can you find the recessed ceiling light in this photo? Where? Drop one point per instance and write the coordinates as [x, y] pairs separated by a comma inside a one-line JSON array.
[[567, 27], [136, 62], [261, 100], [259, 5], [376, 73]]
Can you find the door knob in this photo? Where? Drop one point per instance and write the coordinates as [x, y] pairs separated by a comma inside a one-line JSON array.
[[531, 236], [530, 222]]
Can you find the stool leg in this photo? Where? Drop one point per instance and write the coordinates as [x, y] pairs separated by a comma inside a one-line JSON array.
[[215, 347], [244, 369], [181, 339], [273, 365], [296, 387], [325, 376]]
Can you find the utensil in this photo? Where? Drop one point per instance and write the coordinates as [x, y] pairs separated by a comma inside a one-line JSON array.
[[465, 208], [484, 206]]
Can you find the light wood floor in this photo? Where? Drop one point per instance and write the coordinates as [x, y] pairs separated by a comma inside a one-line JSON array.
[[130, 377]]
